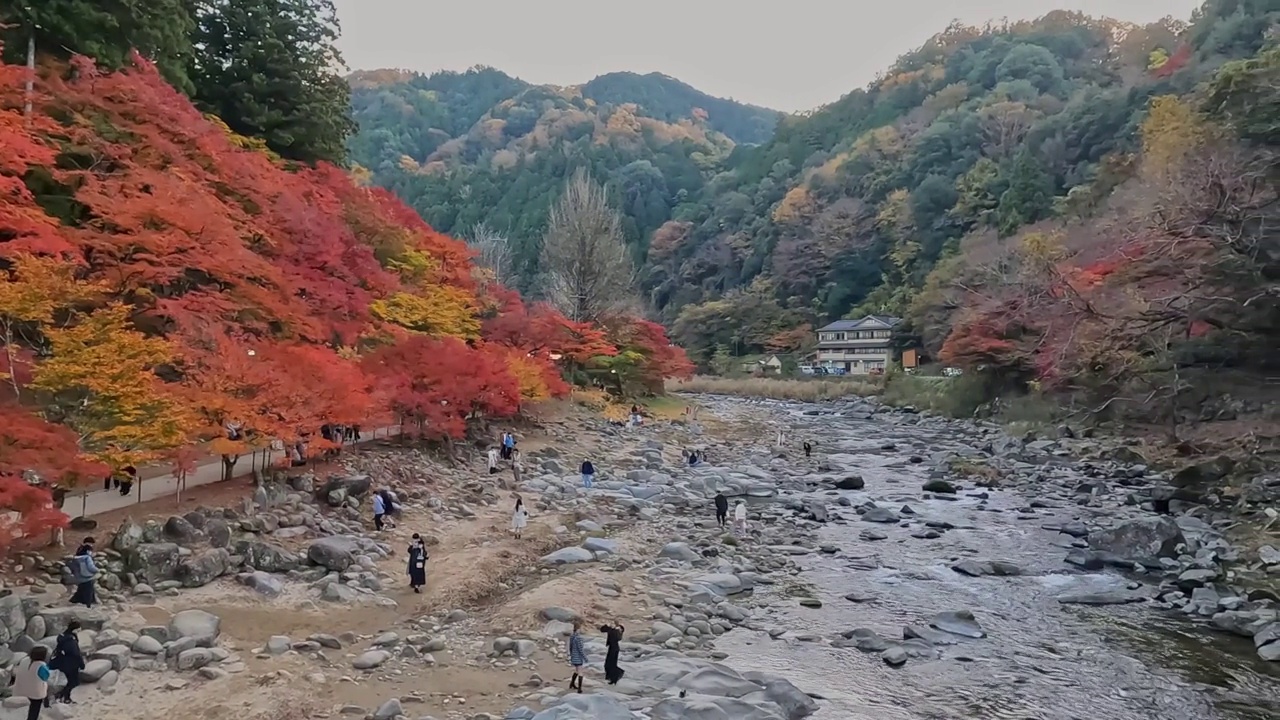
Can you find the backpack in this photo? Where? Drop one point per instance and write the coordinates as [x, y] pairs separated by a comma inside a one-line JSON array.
[[79, 567]]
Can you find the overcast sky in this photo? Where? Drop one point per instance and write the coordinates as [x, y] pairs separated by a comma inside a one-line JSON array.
[[790, 55]]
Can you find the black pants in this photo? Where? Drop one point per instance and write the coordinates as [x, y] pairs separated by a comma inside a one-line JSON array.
[[33, 712], [377, 521], [86, 594], [73, 681], [125, 487], [722, 516]]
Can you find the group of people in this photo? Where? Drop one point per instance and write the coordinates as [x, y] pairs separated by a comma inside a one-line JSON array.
[[32, 674], [739, 514], [386, 506], [506, 450], [578, 654]]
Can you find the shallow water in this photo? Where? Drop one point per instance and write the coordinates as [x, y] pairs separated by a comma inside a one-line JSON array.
[[1040, 659]]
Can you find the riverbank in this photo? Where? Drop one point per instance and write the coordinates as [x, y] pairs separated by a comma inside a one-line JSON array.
[[845, 588]]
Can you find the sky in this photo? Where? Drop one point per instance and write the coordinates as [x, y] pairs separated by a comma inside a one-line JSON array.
[[793, 55]]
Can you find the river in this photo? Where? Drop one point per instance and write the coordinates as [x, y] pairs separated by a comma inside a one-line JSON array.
[[1040, 659]]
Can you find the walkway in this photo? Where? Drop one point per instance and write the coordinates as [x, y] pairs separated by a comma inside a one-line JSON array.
[[158, 484]]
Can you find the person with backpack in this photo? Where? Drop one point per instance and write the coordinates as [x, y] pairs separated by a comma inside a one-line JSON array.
[[31, 680], [68, 660], [84, 572]]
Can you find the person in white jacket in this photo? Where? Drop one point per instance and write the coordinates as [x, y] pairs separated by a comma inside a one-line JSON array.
[[31, 680], [740, 518]]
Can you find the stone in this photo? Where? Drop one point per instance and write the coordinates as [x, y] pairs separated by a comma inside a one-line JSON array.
[[601, 545], [958, 622], [266, 557], [95, 670], [145, 645], [1100, 598], [1139, 539], [201, 627], [118, 655], [894, 656], [678, 551], [717, 679], [337, 553], [180, 530], [268, 585], [371, 659], [851, 482], [389, 710], [866, 640], [202, 567], [582, 707], [880, 515], [194, 658], [153, 563], [982, 568], [568, 556], [278, 645], [939, 486]]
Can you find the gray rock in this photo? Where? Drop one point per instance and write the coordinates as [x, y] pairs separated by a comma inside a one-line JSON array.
[[958, 622], [601, 545], [153, 563], [94, 670], [584, 707], [388, 710], [981, 568], [118, 655], [268, 585], [851, 482], [1100, 598], [202, 567], [201, 627], [267, 558], [180, 530], [696, 707], [568, 556], [894, 656], [716, 679], [335, 553], [939, 486], [880, 515], [679, 551], [371, 659], [146, 645], [1139, 539]]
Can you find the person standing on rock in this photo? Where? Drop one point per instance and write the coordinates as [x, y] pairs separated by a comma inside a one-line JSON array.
[[722, 509], [509, 443], [379, 510], [577, 656], [613, 644], [417, 563], [68, 659], [493, 459], [740, 518], [517, 467], [31, 680], [808, 449], [84, 572], [588, 474]]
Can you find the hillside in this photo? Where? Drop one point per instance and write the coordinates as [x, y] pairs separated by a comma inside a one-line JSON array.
[[166, 282], [481, 146]]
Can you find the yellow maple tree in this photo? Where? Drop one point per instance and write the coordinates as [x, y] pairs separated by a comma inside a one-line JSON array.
[[99, 381], [34, 291], [434, 310], [533, 383]]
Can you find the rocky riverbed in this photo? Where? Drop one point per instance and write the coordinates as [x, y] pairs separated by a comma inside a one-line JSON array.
[[912, 568]]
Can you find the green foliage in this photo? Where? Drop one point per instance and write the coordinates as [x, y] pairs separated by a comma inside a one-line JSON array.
[[670, 100], [106, 30], [267, 68]]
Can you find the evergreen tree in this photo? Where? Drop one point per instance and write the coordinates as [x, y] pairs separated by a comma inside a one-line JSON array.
[[105, 30], [269, 69]]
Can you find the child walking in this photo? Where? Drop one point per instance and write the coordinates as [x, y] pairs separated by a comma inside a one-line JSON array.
[[577, 656]]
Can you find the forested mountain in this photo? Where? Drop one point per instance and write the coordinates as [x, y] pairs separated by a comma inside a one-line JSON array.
[[481, 146]]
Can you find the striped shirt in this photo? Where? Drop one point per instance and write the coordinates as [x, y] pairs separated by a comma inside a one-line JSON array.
[[577, 655]]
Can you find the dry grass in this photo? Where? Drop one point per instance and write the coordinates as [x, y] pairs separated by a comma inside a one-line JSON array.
[[804, 390]]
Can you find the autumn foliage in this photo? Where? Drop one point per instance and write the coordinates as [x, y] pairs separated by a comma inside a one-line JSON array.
[[164, 282]]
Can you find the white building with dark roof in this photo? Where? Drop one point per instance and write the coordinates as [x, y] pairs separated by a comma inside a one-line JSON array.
[[859, 346]]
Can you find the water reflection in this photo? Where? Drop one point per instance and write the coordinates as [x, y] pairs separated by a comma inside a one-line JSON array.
[[1041, 659]]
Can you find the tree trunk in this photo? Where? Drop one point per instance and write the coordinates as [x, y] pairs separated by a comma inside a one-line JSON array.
[[228, 466], [31, 73]]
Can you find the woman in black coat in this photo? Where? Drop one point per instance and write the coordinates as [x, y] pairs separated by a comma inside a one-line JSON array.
[[417, 564], [613, 645], [68, 659]]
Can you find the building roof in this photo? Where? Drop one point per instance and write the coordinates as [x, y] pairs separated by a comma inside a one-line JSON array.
[[877, 322]]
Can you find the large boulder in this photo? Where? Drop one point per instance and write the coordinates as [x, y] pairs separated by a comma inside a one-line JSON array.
[[153, 563], [1140, 539], [202, 627], [265, 557], [201, 568], [181, 531], [568, 556], [717, 679], [127, 537], [356, 486], [679, 551], [335, 553], [586, 707]]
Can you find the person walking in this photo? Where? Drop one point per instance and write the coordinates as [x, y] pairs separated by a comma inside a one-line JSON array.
[[509, 442], [517, 467], [613, 646], [588, 474], [417, 563], [379, 510], [808, 449], [740, 518], [31, 680], [493, 459], [519, 518], [68, 660], [722, 509], [577, 656], [84, 572]]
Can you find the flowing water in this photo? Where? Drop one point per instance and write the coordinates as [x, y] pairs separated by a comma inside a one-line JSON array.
[[1040, 659]]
